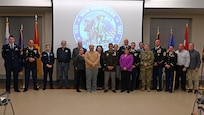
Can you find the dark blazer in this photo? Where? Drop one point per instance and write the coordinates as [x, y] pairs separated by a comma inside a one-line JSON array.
[[47, 59], [75, 53], [80, 63], [136, 57], [110, 59], [27, 53], [11, 56], [159, 55], [171, 59], [122, 49]]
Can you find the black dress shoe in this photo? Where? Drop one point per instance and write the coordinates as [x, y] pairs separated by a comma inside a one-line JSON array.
[[159, 90], [128, 91], [122, 90], [105, 91], [51, 88], [190, 91], [78, 91], [25, 90], [195, 91], [44, 88], [114, 91], [17, 90], [166, 90], [36, 89], [153, 88]]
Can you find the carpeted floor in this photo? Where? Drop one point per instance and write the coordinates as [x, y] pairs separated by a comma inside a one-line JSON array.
[[69, 102]]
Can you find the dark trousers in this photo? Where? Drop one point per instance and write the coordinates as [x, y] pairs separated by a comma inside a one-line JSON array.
[[125, 80], [48, 71], [75, 77], [134, 77], [80, 76], [157, 73], [169, 78], [138, 78], [100, 78], [27, 77], [182, 74], [8, 77]]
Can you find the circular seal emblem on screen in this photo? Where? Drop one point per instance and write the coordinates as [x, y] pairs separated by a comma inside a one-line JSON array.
[[98, 25]]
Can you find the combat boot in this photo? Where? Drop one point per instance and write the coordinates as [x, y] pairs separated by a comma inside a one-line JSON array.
[[143, 88], [148, 89]]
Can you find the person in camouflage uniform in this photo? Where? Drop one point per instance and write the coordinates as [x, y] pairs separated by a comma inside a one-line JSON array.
[[146, 67]]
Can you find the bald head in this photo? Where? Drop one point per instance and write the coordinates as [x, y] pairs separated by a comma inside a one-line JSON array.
[[79, 44], [126, 41], [30, 43]]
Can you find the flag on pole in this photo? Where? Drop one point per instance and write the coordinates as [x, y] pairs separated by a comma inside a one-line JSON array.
[[171, 39], [185, 43], [21, 45], [37, 45], [158, 33], [7, 33]]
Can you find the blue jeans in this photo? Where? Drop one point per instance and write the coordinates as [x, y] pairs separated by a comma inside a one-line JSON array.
[[169, 78], [63, 73], [157, 73], [91, 79], [27, 77]]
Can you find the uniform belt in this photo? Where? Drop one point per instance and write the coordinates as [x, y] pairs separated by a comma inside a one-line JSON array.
[[63, 62], [180, 65]]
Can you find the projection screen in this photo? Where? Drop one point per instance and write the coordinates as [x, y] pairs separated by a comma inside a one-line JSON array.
[[96, 22]]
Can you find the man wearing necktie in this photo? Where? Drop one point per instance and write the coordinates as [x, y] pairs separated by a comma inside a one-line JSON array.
[[48, 60], [11, 53], [30, 55]]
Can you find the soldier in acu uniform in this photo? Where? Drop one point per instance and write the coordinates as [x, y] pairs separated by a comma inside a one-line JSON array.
[[159, 54], [30, 55], [146, 66]]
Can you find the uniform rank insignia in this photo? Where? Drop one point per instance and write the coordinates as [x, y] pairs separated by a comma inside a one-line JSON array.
[[164, 54]]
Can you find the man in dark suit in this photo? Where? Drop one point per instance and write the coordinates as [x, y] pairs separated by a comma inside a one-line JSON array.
[[30, 55], [48, 61], [122, 48], [11, 54]]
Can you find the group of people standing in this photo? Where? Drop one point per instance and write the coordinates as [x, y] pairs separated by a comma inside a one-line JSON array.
[[117, 68]]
